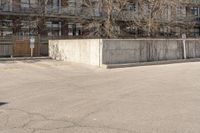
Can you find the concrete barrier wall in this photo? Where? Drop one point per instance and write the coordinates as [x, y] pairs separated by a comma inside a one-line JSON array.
[[110, 51], [193, 48], [131, 51], [80, 51]]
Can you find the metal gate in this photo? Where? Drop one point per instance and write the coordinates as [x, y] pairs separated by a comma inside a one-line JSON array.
[[6, 44]]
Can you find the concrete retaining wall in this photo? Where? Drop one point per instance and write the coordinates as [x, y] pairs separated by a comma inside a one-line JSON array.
[[110, 51], [80, 51], [131, 51], [193, 48]]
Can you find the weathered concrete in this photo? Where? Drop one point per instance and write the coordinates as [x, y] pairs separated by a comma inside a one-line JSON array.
[[109, 51], [58, 97], [80, 51], [121, 65], [131, 51], [193, 48]]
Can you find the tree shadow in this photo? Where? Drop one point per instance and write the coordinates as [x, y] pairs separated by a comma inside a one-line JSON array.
[[31, 61]]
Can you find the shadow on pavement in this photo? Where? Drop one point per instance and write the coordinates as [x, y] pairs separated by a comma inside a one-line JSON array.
[[23, 59], [3, 103], [31, 61]]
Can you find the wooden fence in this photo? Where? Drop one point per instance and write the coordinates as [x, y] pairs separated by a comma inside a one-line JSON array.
[[6, 44], [19, 46]]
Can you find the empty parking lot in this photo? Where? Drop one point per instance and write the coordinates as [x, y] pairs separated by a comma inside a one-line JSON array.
[[46, 96]]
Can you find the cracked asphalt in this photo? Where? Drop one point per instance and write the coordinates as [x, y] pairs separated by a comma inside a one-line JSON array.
[[46, 96]]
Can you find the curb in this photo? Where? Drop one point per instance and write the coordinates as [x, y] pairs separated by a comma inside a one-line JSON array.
[[24, 58], [113, 66]]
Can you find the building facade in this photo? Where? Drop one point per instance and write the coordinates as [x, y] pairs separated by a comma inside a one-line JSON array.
[[55, 18], [46, 18]]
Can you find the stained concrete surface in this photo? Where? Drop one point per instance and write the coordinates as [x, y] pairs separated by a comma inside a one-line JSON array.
[[48, 96], [101, 52]]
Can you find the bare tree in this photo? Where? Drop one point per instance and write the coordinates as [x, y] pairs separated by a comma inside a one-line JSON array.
[[121, 18], [102, 17]]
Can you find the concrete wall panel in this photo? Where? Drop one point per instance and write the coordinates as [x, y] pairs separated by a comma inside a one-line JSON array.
[[193, 48], [131, 51], [116, 51], [80, 51]]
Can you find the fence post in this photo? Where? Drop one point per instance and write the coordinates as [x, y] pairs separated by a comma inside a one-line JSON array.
[[12, 47], [32, 44], [39, 45]]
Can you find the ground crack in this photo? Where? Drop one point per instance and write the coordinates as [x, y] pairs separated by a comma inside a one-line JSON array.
[[44, 118]]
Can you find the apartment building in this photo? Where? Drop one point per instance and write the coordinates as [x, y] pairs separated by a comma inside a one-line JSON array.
[[54, 18], [44, 17], [173, 20]]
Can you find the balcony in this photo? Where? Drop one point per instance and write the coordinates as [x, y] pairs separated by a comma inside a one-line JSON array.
[[20, 9], [5, 8], [53, 11], [29, 8]]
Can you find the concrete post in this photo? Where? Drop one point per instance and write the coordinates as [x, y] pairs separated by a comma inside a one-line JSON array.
[[31, 52], [13, 43], [32, 43], [100, 52], [184, 46]]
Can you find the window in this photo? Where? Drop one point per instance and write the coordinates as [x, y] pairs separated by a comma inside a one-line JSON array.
[[6, 32], [195, 11], [78, 29], [74, 29], [25, 3], [29, 3], [52, 6], [48, 26], [56, 5], [53, 28], [6, 5], [131, 7], [34, 3], [196, 31], [6, 26], [70, 29], [96, 8], [6, 23], [72, 3]]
